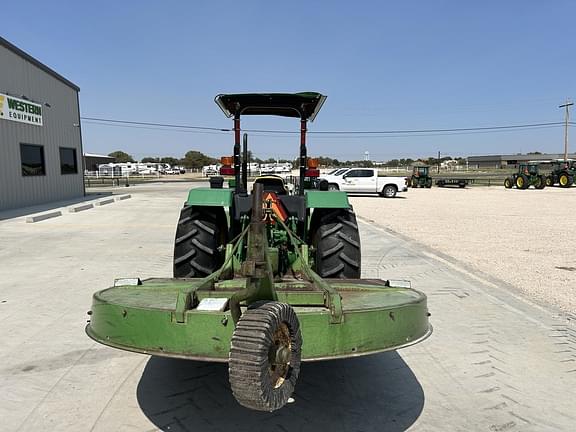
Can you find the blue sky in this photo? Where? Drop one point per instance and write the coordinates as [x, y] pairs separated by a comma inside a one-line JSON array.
[[383, 66]]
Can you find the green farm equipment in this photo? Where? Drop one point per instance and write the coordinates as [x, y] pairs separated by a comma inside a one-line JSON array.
[[421, 176], [563, 173], [263, 278], [528, 175]]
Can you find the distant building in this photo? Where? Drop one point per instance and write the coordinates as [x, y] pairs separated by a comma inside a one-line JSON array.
[[40, 140], [512, 161], [91, 161]]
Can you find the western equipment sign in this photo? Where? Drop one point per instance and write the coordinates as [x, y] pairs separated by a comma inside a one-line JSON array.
[[20, 110]]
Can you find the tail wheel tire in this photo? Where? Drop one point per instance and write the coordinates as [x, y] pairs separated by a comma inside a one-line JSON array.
[[337, 244], [265, 356], [508, 183], [199, 236], [564, 180], [389, 191]]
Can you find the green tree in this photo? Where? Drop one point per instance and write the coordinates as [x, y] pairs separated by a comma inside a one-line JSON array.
[[121, 156], [172, 161], [196, 159], [150, 160]]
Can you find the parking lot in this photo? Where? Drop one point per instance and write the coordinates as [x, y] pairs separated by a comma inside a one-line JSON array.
[[497, 361]]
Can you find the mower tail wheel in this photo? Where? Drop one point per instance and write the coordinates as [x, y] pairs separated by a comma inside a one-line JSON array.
[[337, 242], [265, 356], [199, 235]]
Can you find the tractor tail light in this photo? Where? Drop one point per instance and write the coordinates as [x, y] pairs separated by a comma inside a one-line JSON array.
[[227, 170], [312, 173]]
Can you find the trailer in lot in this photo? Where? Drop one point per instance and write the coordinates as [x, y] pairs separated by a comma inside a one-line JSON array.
[[460, 182]]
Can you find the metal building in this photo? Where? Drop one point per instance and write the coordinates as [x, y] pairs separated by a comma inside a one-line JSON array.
[[512, 161], [40, 137]]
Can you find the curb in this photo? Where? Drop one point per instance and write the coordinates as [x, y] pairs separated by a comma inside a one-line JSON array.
[[43, 216], [79, 208]]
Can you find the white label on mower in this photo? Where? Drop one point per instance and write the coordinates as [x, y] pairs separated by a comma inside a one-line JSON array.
[[212, 304]]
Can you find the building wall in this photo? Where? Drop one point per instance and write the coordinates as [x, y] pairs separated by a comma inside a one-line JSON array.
[[20, 77]]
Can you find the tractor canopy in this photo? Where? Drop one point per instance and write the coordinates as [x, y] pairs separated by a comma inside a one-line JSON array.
[[300, 105]]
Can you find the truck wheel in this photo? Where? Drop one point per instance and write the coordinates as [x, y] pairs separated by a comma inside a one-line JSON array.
[[333, 187], [199, 235], [337, 244], [522, 182], [508, 182], [265, 356], [389, 191], [564, 180]]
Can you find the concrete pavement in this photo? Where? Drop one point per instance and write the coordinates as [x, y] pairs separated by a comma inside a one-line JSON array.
[[496, 362]]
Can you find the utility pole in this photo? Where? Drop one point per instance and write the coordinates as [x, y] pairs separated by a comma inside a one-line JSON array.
[[566, 107], [438, 161]]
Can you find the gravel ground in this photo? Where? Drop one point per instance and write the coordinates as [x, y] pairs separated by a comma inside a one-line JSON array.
[[526, 238]]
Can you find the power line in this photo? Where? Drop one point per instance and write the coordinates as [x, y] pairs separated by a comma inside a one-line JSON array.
[[399, 132]]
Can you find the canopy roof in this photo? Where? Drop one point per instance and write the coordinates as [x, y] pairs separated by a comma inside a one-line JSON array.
[[301, 105]]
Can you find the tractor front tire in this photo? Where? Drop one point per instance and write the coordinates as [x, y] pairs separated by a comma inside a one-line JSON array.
[[549, 181], [540, 182], [265, 356], [429, 183], [508, 182], [337, 243], [199, 236]]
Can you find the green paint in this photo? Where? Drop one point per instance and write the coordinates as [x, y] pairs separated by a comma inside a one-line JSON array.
[[325, 199], [210, 197]]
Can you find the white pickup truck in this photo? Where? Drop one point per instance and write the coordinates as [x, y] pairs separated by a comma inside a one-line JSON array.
[[365, 180]]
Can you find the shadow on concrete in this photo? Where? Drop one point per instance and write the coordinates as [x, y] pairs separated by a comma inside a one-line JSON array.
[[25, 211], [373, 393], [360, 195]]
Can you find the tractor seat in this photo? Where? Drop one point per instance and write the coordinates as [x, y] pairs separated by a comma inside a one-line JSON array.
[[272, 183]]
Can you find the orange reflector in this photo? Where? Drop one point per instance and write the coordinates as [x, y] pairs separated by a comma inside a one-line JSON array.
[[312, 163], [227, 160]]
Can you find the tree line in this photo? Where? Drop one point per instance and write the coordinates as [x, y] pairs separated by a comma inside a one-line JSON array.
[[194, 159]]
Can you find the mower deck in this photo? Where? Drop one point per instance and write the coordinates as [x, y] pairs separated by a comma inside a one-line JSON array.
[[142, 318]]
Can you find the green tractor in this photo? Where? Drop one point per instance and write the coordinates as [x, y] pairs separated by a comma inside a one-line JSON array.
[[528, 175], [420, 177], [263, 278], [563, 173]]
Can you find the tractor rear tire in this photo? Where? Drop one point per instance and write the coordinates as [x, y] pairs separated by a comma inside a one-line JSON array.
[[522, 182], [265, 356], [540, 183], [337, 243], [508, 182], [199, 236]]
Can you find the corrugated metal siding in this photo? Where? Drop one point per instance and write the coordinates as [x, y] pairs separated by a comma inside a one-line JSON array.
[[19, 77]]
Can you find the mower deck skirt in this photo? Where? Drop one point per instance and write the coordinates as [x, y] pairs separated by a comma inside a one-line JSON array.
[[141, 318]]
